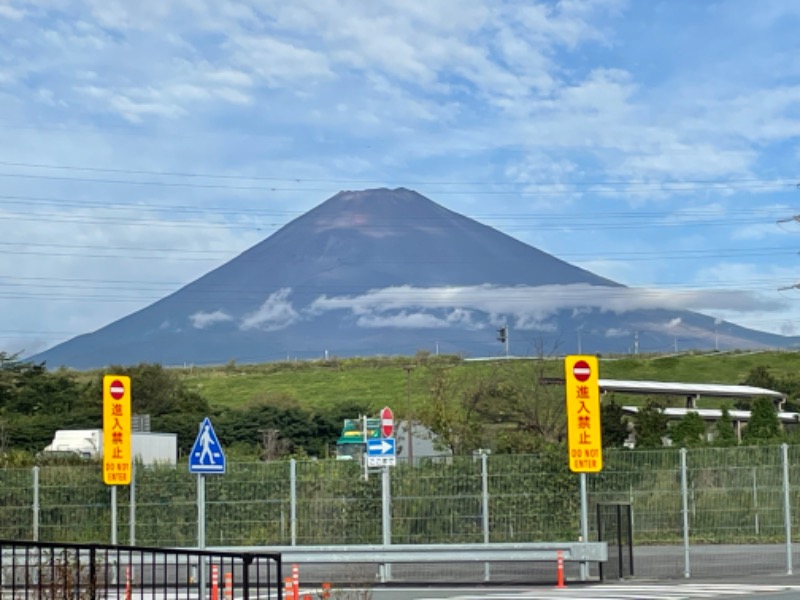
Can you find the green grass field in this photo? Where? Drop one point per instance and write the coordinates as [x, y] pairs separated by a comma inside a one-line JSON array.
[[382, 381]]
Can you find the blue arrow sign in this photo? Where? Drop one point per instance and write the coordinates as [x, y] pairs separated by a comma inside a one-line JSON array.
[[381, 447], [207, 455]]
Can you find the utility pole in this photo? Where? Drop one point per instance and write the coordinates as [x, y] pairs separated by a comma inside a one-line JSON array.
[[409, 422]]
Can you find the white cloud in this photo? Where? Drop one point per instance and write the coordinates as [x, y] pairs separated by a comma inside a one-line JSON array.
[[616, 333], [403, 319], [530, 306], [202, 320], [9, 12], [676, 322], [275, 313], [278, 62]]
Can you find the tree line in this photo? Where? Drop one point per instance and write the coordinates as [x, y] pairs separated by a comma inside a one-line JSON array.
[[503, 409], [35, 402]]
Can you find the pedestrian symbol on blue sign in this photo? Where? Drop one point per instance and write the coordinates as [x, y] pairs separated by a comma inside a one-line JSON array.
[[206, 455]]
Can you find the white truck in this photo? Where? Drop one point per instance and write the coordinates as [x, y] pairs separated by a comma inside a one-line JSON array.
[[147, 447]]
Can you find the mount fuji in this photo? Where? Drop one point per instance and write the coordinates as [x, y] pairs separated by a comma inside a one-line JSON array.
[[391, 272]]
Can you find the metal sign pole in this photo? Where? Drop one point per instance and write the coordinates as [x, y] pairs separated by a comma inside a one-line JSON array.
[[201, 530], [584, 524], [386, 519], [113, 515]]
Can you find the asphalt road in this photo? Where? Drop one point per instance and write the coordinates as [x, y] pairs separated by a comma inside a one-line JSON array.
[[624, 591]]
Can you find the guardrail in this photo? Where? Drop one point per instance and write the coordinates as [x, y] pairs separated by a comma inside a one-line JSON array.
[[62, 571], [383, 556]]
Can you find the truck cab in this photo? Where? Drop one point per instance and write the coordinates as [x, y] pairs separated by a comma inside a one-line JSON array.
[[352, 442]]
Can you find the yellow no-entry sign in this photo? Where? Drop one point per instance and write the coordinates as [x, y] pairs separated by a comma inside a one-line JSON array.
[[583, 414], [117, 430]]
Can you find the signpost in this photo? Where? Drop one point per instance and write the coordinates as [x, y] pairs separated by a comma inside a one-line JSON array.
[[206, 458], [117, 464], [383, 453], [581, 376]]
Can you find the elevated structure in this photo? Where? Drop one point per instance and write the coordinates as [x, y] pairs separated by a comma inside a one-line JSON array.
[[691, 391], [712, 415]]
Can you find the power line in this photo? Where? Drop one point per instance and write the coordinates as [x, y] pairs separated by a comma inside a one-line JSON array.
[[112, 251], [297, 179], [211, 209], [607, 222], [527, 189]]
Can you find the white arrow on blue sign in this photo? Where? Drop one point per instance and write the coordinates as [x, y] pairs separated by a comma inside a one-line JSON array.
[[381, 453], [207, 455], [381, 447]]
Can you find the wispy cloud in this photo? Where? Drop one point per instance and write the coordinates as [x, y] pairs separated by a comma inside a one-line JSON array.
[[530, 306], [202, 320], [275, 313]]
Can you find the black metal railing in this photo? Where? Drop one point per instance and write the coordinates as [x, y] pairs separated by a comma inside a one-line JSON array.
[[59, 571]]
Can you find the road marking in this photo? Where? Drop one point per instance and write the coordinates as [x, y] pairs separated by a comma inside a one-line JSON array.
[[679, 591]]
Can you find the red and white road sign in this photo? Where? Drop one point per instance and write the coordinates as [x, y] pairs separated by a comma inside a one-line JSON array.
[[581, 370], [116, 389], [387, 422]]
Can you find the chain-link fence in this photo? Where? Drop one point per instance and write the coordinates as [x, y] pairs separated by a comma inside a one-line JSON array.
[[706, 511]]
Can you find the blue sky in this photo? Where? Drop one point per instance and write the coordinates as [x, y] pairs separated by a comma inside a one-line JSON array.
[[145, 143]]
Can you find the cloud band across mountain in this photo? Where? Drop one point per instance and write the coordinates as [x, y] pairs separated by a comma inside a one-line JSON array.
[[404, 307]]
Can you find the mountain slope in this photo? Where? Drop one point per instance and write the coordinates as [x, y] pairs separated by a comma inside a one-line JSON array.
[[390, 272]]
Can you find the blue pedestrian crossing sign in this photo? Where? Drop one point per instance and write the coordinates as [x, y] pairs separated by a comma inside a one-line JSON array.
[[207, 455]]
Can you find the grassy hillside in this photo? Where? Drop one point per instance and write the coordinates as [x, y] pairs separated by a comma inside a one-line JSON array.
[[384, 381]]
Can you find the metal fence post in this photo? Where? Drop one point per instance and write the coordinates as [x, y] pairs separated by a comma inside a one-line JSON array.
[[787, 511], [132, 506], [293, 502], [485, 507], [386, 519], [35, 503], [685, 510]]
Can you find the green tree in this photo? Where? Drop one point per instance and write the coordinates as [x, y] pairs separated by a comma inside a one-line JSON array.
[[454, 410], [536, 409], [651, 426], [35, 402], [764, 426], [689, 432], [725, 436], [614, 425], [761, 377], [303, 432]]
